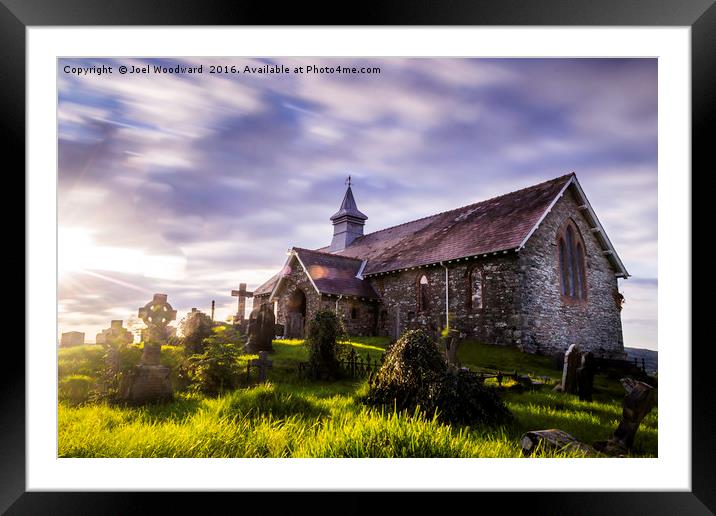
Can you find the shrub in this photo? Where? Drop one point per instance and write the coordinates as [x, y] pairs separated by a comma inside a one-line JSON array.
[[76, 388], [410, 367], [217, 368], [195, 327], [462, 398], [414, 375], [324, 352]]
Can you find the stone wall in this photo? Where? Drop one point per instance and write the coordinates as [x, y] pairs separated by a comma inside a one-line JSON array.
[[296, 279], [359, 317], [495, 322], [549, 324]]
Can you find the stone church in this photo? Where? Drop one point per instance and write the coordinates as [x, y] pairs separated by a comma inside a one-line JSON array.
[[532, 268]]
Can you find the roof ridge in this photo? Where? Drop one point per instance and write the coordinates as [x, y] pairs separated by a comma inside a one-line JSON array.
[[465, 206], [327, 254]]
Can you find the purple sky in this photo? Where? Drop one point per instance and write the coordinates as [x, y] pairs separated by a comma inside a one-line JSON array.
[[190, 184]]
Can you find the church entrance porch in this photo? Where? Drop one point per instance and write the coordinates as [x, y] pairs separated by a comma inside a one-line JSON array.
[[295, 315]]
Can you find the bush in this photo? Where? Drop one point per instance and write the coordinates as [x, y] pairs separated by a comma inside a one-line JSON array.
[[324, 352], [415, 375], [75, 389], [410, 367], [463, 399], [217, 368]]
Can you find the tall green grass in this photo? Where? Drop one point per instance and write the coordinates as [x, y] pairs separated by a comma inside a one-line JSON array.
[[292, 417], [270, 421]]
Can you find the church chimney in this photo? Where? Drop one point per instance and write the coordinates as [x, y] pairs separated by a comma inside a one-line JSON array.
[[347, 222]]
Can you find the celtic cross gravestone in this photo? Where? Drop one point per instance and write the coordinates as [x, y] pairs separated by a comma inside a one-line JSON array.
[[149, 381]]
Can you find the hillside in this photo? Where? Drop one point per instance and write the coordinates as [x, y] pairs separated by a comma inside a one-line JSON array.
[[651, 358]]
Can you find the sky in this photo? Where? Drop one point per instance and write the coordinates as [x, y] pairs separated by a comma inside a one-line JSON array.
[[189, 184]]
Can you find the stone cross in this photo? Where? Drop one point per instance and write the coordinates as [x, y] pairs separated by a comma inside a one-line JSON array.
[[262, 363], [156, 314], [242, 294]]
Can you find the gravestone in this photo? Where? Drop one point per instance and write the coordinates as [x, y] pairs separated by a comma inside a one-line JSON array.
[[585, 377], [262, 364], [572, 359], [639, 399], [115, 334], [279, 330], [294, 325], [72, 338], [452, 344], [242, 294], [149, 381], [261, 329], [552, 440]]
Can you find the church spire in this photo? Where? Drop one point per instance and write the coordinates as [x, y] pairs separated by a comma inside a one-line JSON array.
[[348, 221]]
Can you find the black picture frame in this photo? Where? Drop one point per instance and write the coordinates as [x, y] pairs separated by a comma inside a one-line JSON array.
[[17, 15]]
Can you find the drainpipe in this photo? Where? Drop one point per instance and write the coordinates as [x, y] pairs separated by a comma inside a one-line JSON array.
[[340, 296], [447, 298]]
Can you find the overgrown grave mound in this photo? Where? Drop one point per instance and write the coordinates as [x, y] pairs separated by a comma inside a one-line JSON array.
[[414, 375]]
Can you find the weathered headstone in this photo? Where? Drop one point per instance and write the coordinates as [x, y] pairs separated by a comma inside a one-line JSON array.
[[639, 399], [572, 360], [115, 334], [452, 344], [72, 338], [294, 325], [149, 381], [585, 377], [261, 329], [552, 440], [262, 364], [279, 330]]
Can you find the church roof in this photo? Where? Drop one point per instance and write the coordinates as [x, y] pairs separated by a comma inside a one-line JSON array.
[[335, 274], [267, 287], [329, 274], [349, 208], [499, 224]]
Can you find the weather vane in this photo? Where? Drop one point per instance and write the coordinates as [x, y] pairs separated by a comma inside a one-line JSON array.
[[348, 181]]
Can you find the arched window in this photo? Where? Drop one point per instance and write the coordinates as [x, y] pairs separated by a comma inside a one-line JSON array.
[[476, 282], [423, 295], [573, 281]]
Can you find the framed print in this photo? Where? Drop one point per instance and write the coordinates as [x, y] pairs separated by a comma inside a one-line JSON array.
[[434, 250]]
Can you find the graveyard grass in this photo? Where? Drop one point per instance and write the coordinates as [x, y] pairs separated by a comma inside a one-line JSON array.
[[291, 417]]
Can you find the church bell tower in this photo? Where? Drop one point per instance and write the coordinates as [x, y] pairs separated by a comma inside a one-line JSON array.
[[347, 222]]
